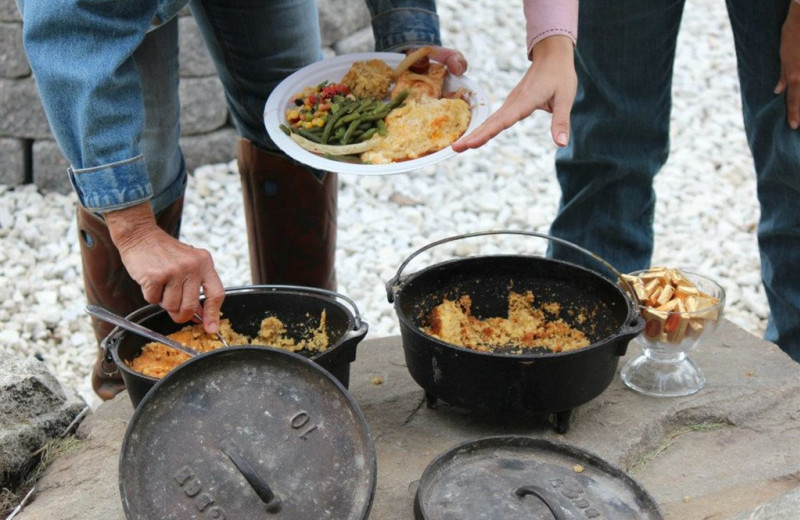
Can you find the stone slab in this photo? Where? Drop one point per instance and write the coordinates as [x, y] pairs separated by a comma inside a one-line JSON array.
[[727, 452]]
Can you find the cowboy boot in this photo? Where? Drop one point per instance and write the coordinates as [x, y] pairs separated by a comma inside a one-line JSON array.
[[290, 211], [107, 284]]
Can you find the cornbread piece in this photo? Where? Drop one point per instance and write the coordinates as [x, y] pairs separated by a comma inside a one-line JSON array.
[[273, 334], [157, 359], [420, 128], [369, 79], [526, 326]]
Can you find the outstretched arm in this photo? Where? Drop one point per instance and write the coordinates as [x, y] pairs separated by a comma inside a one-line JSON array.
[[550, 82]]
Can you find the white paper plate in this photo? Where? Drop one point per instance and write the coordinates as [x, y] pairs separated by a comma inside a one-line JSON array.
[[333, 70]]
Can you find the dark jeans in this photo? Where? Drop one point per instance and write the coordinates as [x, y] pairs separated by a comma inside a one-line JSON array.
[[620, 140]]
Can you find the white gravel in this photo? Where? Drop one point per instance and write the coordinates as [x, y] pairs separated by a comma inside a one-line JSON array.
[[706, 215]]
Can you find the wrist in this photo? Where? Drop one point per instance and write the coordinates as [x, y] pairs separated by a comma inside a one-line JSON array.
[[552, 45], [128, 225]]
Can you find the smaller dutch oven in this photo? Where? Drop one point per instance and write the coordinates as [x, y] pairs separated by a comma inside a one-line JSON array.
[[246, 307], [522, 478], [247, 433], [538, 381]]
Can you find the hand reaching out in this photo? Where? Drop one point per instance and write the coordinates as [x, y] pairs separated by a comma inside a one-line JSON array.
[[549, 84], [170, 273]]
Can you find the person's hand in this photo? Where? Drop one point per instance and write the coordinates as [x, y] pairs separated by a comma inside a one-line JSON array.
[[455, 62], [790, 65], [170, 273], [549, 84]]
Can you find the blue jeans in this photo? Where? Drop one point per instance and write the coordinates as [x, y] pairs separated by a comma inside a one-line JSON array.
[[620, 140], [249, 68], [108, 77]]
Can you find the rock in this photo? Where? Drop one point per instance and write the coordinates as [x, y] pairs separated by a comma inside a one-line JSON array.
[[34, 408]]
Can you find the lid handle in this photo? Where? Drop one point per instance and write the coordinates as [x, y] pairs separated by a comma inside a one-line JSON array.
[[544, 496], [262, 489]]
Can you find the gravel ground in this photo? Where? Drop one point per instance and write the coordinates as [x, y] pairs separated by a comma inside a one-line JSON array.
[[706, 215]]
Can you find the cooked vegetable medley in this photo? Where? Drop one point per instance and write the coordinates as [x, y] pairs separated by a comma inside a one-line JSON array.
[[328, 114]]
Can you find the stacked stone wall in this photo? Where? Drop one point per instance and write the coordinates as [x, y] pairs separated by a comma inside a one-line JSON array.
[[28, 152]]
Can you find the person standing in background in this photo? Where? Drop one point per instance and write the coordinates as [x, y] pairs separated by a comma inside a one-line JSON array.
[[620, 137]]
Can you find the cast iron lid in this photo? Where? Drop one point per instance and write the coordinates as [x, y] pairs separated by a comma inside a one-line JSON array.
[[247, 433], [524, 478]]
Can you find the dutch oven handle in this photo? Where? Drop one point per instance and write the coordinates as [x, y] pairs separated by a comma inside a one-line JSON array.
[[544, 496], [394, 285], [108, 343], [272, 502]]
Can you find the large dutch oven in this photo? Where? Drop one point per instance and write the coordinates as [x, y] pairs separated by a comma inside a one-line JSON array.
[[245, 307], [503, 383]]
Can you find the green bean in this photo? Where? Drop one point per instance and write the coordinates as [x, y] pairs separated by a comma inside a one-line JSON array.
[[329, 125], [349, 132], [367, 134], [398, 99], [285, 129], [376, 116], [381, 127], [308, 135]]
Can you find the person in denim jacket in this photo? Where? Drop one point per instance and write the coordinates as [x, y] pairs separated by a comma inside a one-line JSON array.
[[107, 73]]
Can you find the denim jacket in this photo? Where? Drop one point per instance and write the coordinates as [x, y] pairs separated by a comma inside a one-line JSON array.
[[81, 54]]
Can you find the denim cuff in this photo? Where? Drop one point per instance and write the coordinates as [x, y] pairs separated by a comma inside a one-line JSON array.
[[112, 186], [405, 28]]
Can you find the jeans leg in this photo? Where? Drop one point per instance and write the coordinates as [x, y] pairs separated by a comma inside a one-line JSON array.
[[255, 44], [620, 131], [776, 155], [157, 62]]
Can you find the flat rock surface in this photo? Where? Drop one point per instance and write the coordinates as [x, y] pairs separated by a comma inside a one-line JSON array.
[[727, 452]]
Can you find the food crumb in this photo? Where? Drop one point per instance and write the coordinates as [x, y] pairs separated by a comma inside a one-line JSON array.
[[687, 498], [377, 381], [577, 468], [749, 373]]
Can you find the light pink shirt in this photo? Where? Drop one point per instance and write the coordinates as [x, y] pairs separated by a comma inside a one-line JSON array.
[[550, 17]]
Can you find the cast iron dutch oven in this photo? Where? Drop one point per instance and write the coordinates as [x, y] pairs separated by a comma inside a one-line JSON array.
[[247, 433], [246, 306], [522, 478], [508, 384]]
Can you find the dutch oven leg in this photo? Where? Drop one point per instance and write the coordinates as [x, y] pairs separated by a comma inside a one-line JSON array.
[[560, 421], [431, 400]]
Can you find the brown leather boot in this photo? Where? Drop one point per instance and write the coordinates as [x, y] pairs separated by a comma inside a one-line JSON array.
[[109, 285], [290, 212]]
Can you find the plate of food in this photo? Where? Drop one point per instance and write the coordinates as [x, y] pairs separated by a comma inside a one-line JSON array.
[[374, 113]]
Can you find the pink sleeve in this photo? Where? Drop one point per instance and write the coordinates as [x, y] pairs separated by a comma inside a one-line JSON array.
[[549, 17]]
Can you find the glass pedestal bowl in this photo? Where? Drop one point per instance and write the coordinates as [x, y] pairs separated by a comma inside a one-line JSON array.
[[664, 369]]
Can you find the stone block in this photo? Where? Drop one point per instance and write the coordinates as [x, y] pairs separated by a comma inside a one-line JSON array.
[[195, 61], [22, 114], [34, 408], [203, 107], [341, 18], [9, 11], [13, 169], [359, 41], [13, 62], [50, 167], [212, 148]]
